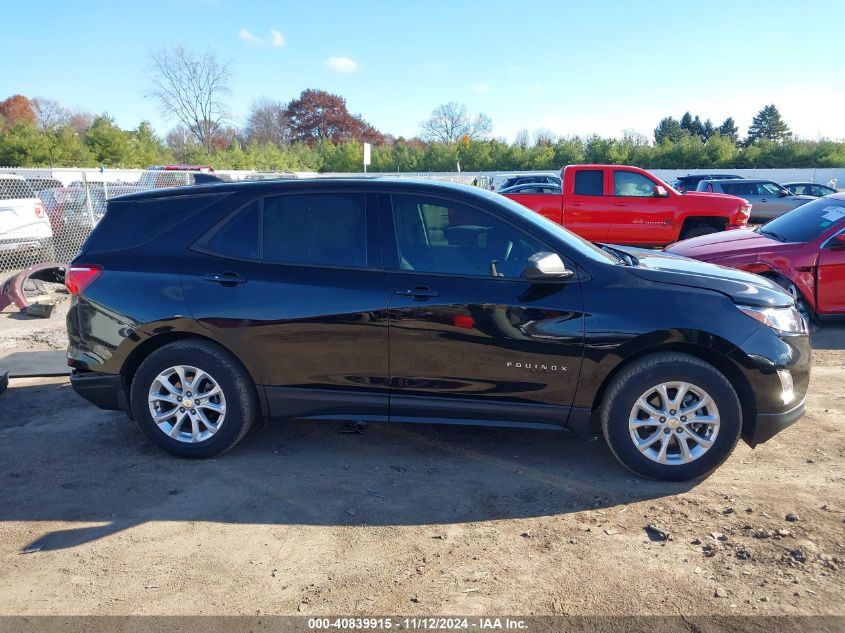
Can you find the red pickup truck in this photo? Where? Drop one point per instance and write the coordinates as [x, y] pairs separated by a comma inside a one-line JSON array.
[[627, 205]]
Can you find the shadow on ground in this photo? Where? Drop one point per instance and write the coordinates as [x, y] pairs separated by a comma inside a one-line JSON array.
[[64, 460]]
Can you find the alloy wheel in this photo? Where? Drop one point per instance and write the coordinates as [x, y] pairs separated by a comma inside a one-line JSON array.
[[187, 404], [674, 423]]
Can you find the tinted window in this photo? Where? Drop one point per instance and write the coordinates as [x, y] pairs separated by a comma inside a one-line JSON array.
[[239, 237], [807, 222], [130, 223], [446, 237], [318, 229], [630, 184], [13, 189], [589, 182], [739, 188]]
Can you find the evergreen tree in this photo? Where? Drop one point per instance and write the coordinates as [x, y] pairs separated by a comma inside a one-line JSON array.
[[769, 125], [729, 130]]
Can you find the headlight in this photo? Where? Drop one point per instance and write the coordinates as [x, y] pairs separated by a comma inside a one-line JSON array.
[[787, 320]]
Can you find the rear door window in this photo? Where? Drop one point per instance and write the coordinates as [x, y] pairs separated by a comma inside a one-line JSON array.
[[317, 229], [589, 182]]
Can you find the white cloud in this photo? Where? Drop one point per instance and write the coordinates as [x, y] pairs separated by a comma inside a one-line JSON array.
[[248, 36], [276, 38], [480, 88], [342, 64]]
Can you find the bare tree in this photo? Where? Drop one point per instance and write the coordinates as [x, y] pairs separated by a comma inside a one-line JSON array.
[[521, 139], [49, 114], [178, 139], [191, 88], [450, 122], [268, 122], [544, 137]]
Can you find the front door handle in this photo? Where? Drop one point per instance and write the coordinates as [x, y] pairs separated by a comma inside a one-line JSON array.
[[620, 204], [418, 293], [226, 279]]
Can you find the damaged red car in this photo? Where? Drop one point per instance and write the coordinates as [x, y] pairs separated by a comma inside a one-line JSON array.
[[803, 251]]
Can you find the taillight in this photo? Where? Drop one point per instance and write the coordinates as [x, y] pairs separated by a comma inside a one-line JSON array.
[[39, 209], [78, 278]]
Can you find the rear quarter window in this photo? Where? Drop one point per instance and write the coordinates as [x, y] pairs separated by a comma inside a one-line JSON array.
[[131, 223], [14, 189]]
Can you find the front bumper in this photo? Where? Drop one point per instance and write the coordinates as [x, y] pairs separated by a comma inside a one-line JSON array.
[[770, 424], [106, 391]]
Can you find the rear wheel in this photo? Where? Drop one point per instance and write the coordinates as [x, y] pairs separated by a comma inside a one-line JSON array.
[[671, 416], [193, 399]]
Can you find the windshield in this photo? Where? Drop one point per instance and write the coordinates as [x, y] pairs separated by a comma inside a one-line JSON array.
[[582, 246], [807, 222]]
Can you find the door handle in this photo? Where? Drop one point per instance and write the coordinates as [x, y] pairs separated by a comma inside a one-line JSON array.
[[620, 204], [226, 279], [418, 293], [576, 204]]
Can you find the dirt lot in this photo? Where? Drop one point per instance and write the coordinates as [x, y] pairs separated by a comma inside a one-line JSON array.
[[314, 519]]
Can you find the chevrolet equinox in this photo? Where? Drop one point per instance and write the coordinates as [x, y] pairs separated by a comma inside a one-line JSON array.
[[196, 310]]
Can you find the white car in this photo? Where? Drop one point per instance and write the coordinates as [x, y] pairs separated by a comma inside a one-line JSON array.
[[24, 226]]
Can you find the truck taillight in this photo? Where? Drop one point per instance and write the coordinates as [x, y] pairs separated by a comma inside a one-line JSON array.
[[78, 278], [39, 209]]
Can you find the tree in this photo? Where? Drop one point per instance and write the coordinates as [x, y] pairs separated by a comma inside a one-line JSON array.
[[108, 143], [16, 110], [317, 115], [450, 121], [729, 130], [544, 137], [49, 114], [268, 122], [522, 138], [147, 147], [767, 124], [191, 88], [668, 130]]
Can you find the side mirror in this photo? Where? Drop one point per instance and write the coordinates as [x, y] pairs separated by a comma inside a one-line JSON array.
[[545, 265], [660, 192], [783, 193]]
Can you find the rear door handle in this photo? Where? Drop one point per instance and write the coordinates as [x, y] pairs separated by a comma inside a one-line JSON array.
[[418, 293], [620, 204], [227, 278], [576, 204]]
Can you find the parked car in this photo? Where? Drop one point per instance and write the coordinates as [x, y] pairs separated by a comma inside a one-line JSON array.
[[40, 184], [690, 182], [533, 187], [768, 198], [24, 226], [218, 304], [803, 251], [73, 211], [521, 179], [809, 189], [627, 205], [162, 176]]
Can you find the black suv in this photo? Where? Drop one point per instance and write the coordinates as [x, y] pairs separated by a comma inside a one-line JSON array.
[[690, 182], [198, 309]]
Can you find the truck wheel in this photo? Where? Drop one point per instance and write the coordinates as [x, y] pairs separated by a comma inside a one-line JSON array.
[[671, 416], [193, 399], [698, 230]]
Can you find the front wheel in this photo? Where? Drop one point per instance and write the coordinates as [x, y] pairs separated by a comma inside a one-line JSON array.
[[193, 399], [671, 416], [699, 230]]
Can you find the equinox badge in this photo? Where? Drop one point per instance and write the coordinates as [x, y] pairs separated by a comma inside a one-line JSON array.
[[536, 366]]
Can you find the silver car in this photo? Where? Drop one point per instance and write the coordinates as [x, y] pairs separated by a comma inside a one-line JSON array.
[[768, 199]]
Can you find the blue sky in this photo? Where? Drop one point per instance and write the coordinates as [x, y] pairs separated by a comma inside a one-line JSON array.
[[573, 67]]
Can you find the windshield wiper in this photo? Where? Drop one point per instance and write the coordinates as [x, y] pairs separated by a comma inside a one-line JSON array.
[[773, 235], [622, 256]]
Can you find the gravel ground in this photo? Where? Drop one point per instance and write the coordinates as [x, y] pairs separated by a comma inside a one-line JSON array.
[[315, 518]]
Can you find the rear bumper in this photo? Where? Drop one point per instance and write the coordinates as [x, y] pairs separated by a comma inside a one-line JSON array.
[[770, 424], [106, 391]]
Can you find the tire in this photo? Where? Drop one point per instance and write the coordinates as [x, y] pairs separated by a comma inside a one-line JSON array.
[[800, 302], [177, 434], [642, 377], [698, 230]]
